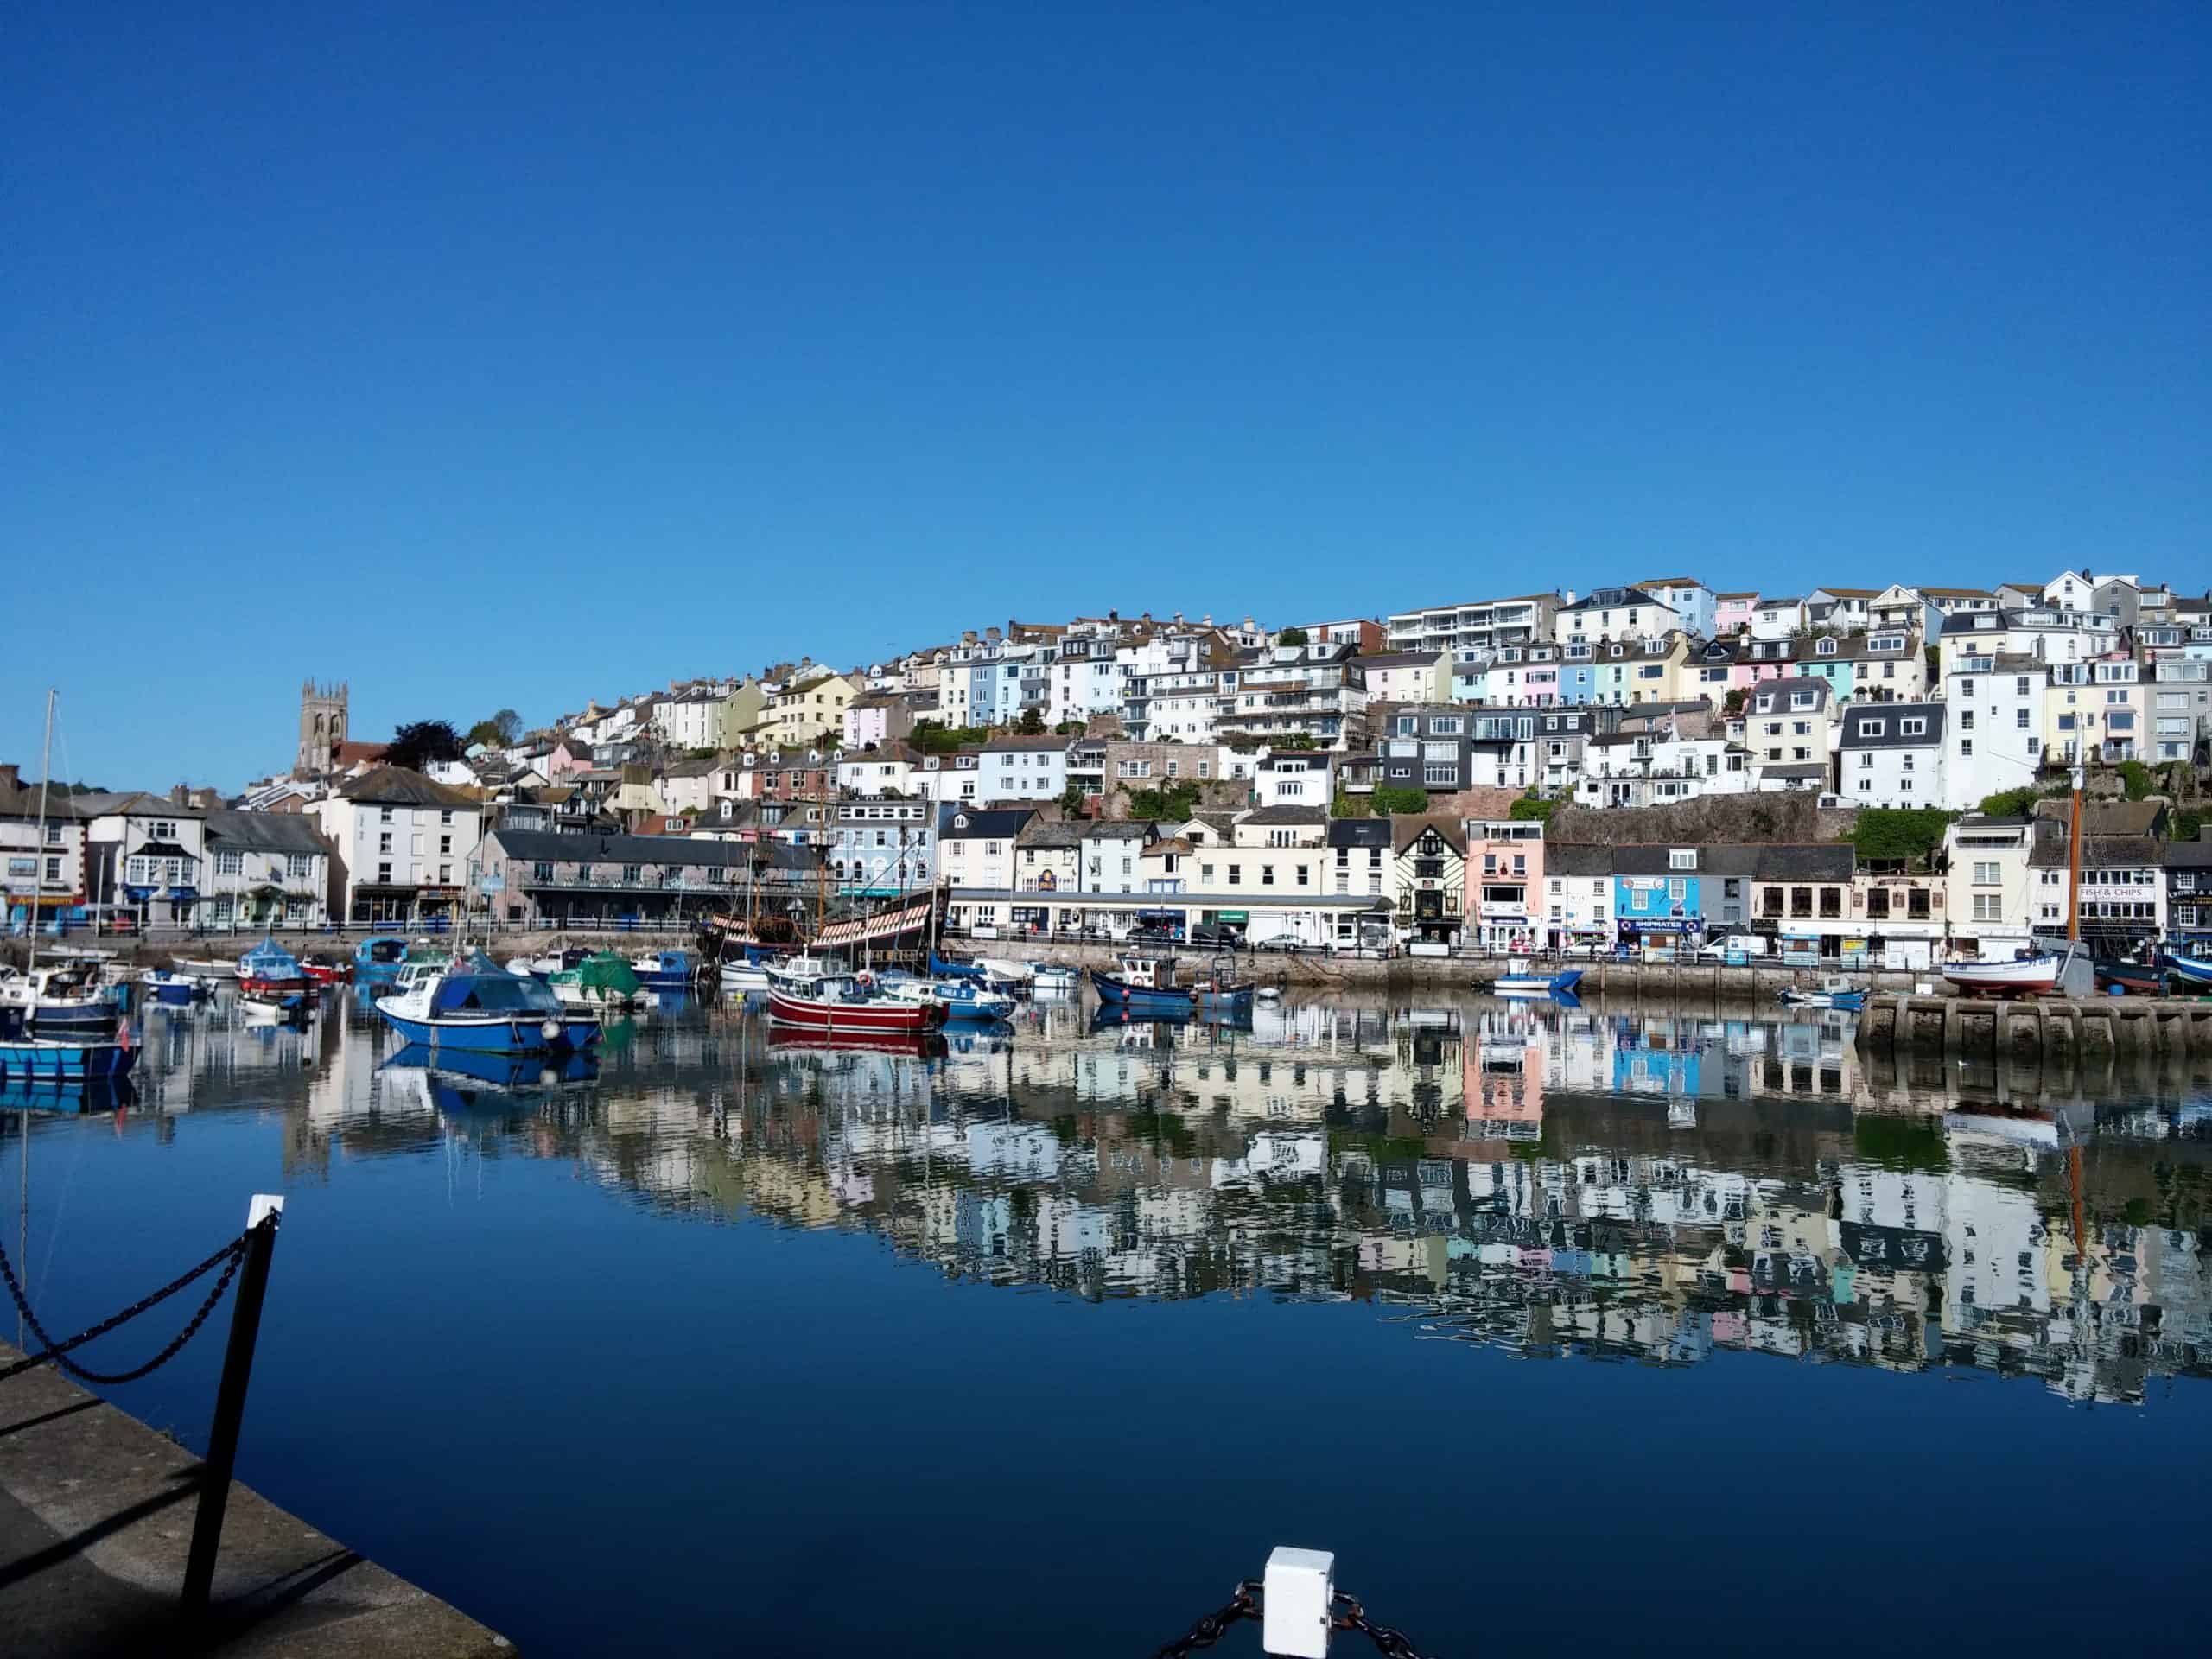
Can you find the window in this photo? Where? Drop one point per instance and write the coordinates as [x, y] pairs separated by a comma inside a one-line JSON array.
[[1874, 728], [1965, 747], [1913, 727], [1235, 875], [230, 863], [1988, 907], [383, 842], [383, 874]]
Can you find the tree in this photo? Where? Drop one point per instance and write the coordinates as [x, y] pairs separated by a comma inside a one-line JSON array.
[[1532, 807], [1176, 802], [499, 731], [2010, 803], [1290, 637], [1387, 801], [1346, 806], [1900, 833], [2134, 780], [421, 743], [1032, 723], [1295, 741], [1732, 704], [1074, 801]]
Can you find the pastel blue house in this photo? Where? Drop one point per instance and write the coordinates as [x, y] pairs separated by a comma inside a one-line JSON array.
[[1657, 893]]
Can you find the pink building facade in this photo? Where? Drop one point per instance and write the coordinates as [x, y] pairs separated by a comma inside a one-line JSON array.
[[1506, 883]]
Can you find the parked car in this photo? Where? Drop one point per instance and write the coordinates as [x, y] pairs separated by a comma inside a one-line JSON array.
[[110, 918], [1217, 936], [1286, 940], [1152, 933]]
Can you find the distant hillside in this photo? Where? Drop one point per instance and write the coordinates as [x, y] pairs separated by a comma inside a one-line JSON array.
[[1793, 817]]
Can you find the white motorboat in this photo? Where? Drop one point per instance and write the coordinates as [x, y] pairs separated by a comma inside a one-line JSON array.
[[207, 967], [962, 999], [743, 976], [69, 995]]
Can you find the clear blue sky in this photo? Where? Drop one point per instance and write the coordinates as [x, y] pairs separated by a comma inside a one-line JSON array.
[[514, 360]]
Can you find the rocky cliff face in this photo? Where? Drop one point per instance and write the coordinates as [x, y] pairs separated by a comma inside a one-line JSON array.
[[1793, 816]]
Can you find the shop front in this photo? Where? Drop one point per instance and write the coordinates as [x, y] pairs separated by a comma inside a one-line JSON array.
[[1661, 938]]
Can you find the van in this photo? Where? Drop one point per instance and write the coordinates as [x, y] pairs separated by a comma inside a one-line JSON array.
[[1754, 945]]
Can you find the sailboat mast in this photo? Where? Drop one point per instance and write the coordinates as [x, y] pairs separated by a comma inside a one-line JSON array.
[[30, 1008], [2074, 863]]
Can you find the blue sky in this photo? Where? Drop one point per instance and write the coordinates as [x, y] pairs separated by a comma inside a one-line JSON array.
[[488, 359]]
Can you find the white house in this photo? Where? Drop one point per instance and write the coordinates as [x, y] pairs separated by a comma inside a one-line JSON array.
[[976, 846], [1408, 676], [1023, 768], [265, 869], [1775, 616], [1995, 718], [399, 846], [145, 850], [1695, 605], [1891, 754], [44, 867]]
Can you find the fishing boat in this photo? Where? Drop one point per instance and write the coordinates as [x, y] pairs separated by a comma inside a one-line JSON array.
[[1834, 992], [270, 970], [69, 997], [993, 976], [744, 975], [377, 961], [325, 968], [2030, 973], [472, 1002], [964, 1000], [1560, 984], [2189, 971], [39, 1059], [174, 990], [843, 1002], [2125, 978], [666, 970], [1150, 982], [603, 979]]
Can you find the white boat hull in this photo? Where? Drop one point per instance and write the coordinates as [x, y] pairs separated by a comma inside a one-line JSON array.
[[2037, 976]]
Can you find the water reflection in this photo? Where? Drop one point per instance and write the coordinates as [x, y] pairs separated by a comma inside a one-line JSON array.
[[1551, 1181]]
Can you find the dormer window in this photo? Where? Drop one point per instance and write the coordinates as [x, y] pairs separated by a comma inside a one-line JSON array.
[[1827, 647]]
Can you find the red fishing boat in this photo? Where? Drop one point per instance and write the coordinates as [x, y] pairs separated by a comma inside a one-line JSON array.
[[326, 969], [845, 1003]]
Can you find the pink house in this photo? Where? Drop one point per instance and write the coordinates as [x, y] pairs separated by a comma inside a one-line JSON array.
[[1505, 882], [570, 755], [1732, 613]]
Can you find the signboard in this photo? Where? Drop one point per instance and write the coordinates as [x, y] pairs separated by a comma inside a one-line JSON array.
[[493, 883]]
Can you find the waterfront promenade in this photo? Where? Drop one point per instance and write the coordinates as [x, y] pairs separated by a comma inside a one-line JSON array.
[[95, 1517]]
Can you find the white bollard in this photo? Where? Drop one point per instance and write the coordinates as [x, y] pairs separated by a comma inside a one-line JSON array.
[[1300, 1584]]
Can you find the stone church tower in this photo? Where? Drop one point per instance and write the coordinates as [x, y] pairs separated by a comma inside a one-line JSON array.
[[323, 728]]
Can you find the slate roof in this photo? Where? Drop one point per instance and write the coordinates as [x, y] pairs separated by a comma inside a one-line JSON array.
[[1570, 859], [263, 832], [1805, 861], [1268, 815], [1359, 832], [1881, 725], [397, 786], [552, 847], [1047, 832], [986, 823]]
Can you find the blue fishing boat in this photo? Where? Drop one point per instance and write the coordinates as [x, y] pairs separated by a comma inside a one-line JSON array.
[[269, 969], [992, 976], [473, 1003], [2190, 971], [378, 961], [38, 1059], [175, 990], [666, 970], [1560, 984], [71, 996], [1148, 982], [964, 1000]]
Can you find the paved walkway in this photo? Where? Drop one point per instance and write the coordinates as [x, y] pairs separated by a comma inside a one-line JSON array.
[[95, 1520]]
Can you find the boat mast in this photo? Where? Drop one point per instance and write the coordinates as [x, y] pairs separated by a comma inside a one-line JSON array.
[[2073, 865], [30, 1009]]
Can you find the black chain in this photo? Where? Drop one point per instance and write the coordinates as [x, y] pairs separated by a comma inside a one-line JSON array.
[[1245, 1604], [1351, 1616], [229, 1255]]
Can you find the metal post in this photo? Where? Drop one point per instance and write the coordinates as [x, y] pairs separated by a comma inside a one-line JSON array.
[[229, 1402]]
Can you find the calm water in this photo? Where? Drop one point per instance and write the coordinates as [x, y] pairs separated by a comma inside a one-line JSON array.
[[1561, 1327]]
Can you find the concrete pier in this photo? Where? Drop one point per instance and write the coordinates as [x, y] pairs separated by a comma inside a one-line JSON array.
[[2036, 1028], [95, 1519]]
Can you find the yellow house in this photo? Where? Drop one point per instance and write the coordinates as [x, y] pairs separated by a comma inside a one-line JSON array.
[[809, 708]]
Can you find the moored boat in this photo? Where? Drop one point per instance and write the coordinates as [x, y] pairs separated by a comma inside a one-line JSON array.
[[1054, 978], [71, 996], [992, 974], [1834, 992], [274, 1006], [378, 961], [1559, 984], [963, 1000], [2031, 973], [270, 970], [841, 1002], [472, 1002], [2189, 971], [174, 990], [2126, 978], [1150, 982], [666, 970], [207, 967], [603, 979]]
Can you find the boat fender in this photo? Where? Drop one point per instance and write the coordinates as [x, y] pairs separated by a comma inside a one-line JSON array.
[[550, 1030]]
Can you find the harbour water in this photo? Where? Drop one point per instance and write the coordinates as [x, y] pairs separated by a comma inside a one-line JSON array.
[[1562, 1327]]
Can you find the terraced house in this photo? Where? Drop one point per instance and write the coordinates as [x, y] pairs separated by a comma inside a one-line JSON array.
[[544, 879]]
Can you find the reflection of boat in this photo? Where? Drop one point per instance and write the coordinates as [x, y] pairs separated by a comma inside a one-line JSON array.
[[66, 1098], [1537, 984], [1114, 1016], [1054, 978], [922, 1045], [500, 1071], [474, 1003], [268, 1006], [39, 1059], [1835, 992]]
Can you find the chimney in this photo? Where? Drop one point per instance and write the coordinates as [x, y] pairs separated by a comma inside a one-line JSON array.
[[1178, 618], [11, 776]]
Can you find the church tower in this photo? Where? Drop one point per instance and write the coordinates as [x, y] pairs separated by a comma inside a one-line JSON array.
[[322, 728]]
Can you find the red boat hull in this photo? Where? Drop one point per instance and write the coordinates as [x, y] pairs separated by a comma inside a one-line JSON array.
[[854, 1017], [301, 987], [324, 973]]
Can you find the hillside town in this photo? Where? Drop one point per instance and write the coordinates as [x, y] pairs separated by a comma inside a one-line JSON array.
[[1645, 767]]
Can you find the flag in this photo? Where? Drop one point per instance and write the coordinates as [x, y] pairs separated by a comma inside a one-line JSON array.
[[123, 1031]]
